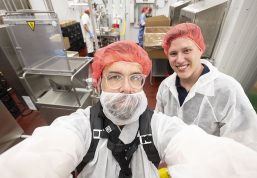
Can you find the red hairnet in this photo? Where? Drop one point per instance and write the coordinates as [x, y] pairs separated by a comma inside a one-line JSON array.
[[145, 8], [184, 30], [127, 51], [87, 11]]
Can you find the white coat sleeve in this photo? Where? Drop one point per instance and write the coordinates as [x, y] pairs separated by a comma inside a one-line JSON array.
[[85, 19], [240, 117], [191, 153], [52, 151]]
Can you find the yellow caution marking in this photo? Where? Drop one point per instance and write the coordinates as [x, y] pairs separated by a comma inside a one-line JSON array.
[[31, 25]]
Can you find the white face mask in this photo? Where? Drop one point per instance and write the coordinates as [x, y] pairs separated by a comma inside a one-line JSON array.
[[122, 108]]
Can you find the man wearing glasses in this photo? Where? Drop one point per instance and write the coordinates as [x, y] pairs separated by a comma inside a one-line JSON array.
[[109, 136]]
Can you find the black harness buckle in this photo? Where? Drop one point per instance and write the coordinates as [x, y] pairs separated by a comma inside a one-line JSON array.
[[97, 133], [145, 139]]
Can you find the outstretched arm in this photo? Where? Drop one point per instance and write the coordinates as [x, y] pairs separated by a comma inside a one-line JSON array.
[[52, 151], [191, 153]]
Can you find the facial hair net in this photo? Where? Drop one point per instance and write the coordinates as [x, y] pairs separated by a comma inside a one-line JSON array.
[[121, 108]]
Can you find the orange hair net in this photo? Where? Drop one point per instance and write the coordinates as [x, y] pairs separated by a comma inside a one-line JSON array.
[[127, 51], [87, 11], [145, 8], [184, 30]]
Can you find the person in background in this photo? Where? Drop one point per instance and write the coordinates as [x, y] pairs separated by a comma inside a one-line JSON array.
[[199, 94], [145, 10], [149, 14], [87, 31], [117, 147]]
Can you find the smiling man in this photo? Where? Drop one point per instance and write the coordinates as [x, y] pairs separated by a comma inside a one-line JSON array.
[[199, 94]]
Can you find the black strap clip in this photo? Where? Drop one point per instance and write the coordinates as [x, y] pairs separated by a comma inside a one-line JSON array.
[[97, 133], [145, 139]]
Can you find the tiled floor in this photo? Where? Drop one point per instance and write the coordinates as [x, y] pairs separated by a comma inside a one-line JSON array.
[[29, 120]]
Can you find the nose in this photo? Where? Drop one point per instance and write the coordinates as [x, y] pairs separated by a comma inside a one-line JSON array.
[[180, 57], [126, 88]]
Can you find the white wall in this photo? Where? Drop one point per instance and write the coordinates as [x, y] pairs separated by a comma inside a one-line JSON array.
[[62, 9], [65, 12], [38, 5], [164, 10], [116, 8]]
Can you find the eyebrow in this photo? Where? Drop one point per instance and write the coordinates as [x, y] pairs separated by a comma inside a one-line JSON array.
[[115, 72], [187, 47]]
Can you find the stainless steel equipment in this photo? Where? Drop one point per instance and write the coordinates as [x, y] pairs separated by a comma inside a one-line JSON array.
[[14, 5], [56, 83], [175, 10], [10, 131], [9, 64], [106, 38], [208, 15]]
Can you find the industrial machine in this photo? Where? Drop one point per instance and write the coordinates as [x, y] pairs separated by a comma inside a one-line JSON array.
[[208, 15], [175, 9], [10, 131], [56, 84]]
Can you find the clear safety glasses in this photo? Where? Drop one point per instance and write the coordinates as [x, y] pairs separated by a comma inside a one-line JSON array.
[[116, 81]]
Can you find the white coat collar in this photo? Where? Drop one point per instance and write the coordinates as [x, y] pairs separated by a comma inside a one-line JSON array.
[[129, 132], [204, 85], [170, 83]]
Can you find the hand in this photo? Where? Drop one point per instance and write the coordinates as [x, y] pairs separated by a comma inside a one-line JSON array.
[[91, 35]]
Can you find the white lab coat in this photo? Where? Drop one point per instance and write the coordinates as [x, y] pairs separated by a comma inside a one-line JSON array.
[[216, 103], [54, 151], [85, 20]]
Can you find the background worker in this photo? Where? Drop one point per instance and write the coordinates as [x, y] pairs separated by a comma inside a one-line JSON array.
[[145, 10], [87, 31], [199, 94], [120, 69]]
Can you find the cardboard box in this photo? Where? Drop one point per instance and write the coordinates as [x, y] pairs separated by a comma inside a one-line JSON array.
[[153, 37], [156, 53], [65, 23], [160, 20], [66, 42], [155, 29]]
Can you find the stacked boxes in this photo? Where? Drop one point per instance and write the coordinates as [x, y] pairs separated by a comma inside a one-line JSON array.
[[160, 20], [156, 27], [153, 37], [72, 34]]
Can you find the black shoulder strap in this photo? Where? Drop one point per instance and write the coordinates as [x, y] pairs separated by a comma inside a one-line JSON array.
[[146, 138], [96, 127]]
